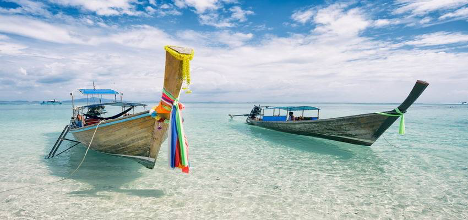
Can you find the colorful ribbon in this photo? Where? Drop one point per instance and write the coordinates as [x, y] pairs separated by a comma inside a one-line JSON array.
[[178, 146], [398, 114]]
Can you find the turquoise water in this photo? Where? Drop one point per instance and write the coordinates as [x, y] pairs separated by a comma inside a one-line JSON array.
[[242, 172]]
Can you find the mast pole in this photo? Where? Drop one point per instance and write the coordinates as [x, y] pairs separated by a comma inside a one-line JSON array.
[[73, 104]]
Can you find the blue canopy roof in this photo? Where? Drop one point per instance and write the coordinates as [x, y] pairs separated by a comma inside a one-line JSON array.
[[98, 92], [293, 108]]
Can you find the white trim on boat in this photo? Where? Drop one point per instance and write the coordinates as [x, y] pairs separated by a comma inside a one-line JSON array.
[[110, 123]]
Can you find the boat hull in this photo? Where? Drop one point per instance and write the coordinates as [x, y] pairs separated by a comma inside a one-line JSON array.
[[130, 137], [362, 129], [358, 129]]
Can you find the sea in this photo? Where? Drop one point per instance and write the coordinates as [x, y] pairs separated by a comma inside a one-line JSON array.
[[240, 171]]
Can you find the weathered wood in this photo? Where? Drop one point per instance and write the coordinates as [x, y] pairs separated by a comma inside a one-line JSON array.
[[182, 50], [131, 137], [362, 129], [172, 84]]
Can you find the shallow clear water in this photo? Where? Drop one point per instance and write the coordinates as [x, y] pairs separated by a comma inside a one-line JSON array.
[[242, 172]]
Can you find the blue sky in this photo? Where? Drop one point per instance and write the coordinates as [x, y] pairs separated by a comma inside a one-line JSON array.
[[294, 51]]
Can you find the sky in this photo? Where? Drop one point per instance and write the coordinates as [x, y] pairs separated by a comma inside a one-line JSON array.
[[245, 51]]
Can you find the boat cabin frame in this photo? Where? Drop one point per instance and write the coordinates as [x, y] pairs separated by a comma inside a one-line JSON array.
[[287, 109], [81, 114]]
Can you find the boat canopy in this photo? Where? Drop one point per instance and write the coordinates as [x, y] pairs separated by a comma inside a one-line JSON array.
[[123, 104], [293, 108], [98, 92]]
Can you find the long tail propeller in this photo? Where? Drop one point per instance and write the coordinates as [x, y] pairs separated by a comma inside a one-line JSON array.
[[232, 116]]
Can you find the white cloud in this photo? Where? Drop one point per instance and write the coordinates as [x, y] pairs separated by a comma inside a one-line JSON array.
[[215, 20], [23, 71], [234, 39], [460, 13], [11, 48], [303, 16], [215, 39], [27, 7], [200, 5], [335, 19], [38, 30], [145, 37], [422, 7], [439, 38], [210, 13], [4, 37], [239, 14], [425, 20], [381, 22], [103, 7], [162, 10]]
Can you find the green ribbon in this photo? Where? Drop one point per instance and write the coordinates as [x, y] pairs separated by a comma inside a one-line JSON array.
[[180, 133], [168, 94], [398, 114]]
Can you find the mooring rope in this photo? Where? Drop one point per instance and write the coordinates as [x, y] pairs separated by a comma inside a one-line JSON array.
[[389, 142], [86, 153], [63, 178]]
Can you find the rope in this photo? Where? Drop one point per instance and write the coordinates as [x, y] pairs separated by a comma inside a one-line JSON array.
[[86, 153], [398, 114], [64, 178], [390, 143]]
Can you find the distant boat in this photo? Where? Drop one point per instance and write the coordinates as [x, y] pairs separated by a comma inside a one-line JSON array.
[[137, 136], [51, 102], [362, 129], [464, 103]]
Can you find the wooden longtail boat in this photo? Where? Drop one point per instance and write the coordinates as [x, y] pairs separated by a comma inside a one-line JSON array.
[[137, 136], [362, 129]]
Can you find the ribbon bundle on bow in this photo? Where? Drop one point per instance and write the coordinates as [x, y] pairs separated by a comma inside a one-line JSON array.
[[178, 146], [397, 114]]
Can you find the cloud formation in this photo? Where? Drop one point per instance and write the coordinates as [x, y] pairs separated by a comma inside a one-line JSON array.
[[336, 59], [103, 7], [422, 7]]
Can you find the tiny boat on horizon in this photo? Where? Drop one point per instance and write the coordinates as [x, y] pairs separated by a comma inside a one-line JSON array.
[[362, 129], [51, 102]]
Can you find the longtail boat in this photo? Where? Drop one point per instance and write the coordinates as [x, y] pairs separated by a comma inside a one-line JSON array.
[[137, 136], [363, 129]]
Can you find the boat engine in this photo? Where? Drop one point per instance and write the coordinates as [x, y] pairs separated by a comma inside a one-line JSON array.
[[256, 111]]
